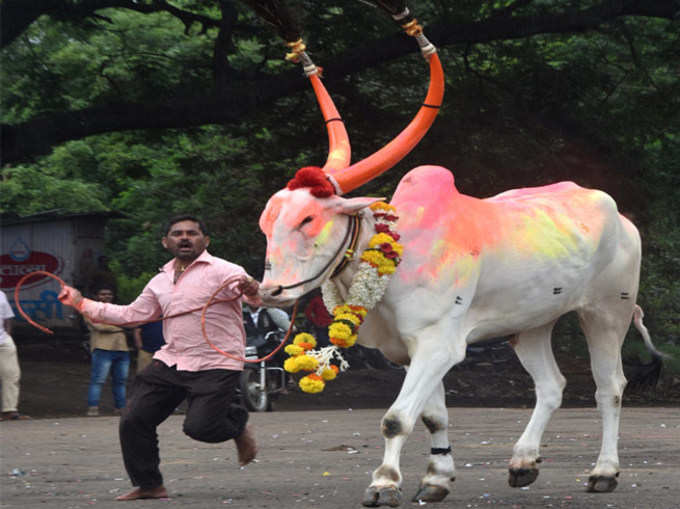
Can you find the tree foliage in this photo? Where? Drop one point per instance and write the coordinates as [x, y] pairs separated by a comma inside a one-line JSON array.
[[158, 106]]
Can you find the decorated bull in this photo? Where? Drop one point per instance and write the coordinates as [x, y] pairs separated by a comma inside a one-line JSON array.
[[434, 271]]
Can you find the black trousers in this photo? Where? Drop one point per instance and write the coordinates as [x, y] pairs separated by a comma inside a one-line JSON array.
[[212, 415]]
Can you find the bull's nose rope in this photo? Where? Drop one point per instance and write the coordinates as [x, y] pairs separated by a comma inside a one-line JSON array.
[[203, 309]]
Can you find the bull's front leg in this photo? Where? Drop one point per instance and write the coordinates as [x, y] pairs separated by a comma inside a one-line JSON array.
[[436, 483], [431, 358]]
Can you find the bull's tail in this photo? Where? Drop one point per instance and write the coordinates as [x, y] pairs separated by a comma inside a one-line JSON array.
[[638, 315]]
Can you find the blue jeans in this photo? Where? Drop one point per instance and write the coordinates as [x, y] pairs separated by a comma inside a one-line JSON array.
[[104, 361]]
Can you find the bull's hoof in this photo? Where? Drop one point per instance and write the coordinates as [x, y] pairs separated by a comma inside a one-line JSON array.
[[522, 476], [430, 493], [601, 483], [374, 497]]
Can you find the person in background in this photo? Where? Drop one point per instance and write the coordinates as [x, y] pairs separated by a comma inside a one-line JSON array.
[[258, 321], [110, 353], [186, 367], [10, 373], [148, 340]]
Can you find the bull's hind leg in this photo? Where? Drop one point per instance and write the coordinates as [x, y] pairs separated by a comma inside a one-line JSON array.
[[436, 483], [605, 330], [533, 347]]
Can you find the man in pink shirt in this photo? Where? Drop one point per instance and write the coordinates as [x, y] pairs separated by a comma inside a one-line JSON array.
[[186, 367]]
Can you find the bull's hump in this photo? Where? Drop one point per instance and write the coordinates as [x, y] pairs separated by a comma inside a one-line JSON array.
[[425, 184]]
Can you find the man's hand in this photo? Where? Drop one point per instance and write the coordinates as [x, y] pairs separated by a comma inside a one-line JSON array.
[[248, 286], [71, 297]]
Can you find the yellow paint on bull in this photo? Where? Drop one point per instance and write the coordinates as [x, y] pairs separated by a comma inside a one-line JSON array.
[[439, 249], [339, 155], [540, 233], [324, 235], [460, 270]]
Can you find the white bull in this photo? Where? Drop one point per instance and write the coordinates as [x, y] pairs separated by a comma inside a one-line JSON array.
[[471, 269], [474, 269]]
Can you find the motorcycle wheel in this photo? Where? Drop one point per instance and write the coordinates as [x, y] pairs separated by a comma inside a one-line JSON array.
[[255, 398]]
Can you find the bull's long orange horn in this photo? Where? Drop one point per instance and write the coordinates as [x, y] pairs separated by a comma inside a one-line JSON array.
[[339, 151], [347, 179]]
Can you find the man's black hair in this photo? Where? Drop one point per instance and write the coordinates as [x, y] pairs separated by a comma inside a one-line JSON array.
[[104, 286], [184, 217]]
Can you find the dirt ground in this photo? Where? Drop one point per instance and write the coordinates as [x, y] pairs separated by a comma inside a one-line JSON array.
[[324, 459], [317, 451]]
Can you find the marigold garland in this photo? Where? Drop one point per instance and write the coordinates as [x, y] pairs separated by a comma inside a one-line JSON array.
[[378, 262], [312, 383]]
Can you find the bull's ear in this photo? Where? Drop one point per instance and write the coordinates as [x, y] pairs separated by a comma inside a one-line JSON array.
[[354, 205]]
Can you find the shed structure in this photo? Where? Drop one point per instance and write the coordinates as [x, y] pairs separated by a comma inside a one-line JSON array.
[[66, 244]]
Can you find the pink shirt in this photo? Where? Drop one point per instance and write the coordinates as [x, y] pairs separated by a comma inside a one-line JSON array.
[[185, 346]]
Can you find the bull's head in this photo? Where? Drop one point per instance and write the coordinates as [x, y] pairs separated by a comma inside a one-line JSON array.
[[308, 225]]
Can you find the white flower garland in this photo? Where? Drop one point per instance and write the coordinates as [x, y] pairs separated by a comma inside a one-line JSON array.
[[368, 286]]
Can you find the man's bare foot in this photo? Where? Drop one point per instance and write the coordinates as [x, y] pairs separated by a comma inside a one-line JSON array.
[[246, 447], [139, 493]]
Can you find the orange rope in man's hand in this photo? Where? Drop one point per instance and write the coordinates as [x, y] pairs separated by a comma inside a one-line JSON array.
[[18, 304]]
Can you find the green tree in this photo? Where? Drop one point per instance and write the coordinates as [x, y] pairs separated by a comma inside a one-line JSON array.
[[151, 64]]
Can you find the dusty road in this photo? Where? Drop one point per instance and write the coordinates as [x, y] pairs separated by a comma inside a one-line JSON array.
[[323, 459]]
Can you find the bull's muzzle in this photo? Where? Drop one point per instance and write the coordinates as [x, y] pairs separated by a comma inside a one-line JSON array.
[[275, 295]]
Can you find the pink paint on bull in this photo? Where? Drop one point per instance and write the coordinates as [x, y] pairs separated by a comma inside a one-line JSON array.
[[311, 214], [269, 214], [305, 218], [549, 220]]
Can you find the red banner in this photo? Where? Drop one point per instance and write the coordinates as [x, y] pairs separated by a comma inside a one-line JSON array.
[[12, 270]]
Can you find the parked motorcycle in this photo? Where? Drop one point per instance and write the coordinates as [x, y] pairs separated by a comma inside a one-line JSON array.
[[263, 381]]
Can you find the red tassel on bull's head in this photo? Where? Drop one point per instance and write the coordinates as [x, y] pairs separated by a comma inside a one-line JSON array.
[[315, 179]]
